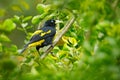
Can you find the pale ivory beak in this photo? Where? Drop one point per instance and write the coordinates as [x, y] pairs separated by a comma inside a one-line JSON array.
[[58, 21]]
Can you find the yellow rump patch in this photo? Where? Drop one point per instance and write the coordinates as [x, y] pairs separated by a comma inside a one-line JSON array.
[[44, 33], [36, 43], [37, 32]]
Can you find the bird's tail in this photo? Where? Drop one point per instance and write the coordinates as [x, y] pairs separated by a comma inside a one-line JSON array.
[[25, 47]]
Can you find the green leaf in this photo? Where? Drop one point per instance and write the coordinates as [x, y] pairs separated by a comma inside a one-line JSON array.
[[0, 47], [4, 38], [8, 65], [13, 48], [27, 18], [8, 25], [34, 71], [43, 8], [47, 8], [40, 8], [16, 18], [36, 19], [16, 8]]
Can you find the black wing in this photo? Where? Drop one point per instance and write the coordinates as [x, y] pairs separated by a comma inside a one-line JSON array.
[[42, 34]]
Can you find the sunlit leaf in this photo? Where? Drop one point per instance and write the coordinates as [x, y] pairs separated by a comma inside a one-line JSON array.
[[62, 54], [69, 40], [73, 41], [24, 24]]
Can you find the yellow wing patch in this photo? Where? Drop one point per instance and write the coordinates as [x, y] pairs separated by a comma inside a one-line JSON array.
[[36, 43], [37, 32], [44, 33], [41, 41]]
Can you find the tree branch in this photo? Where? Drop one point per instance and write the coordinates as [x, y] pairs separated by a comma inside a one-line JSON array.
[[59, 35], [115, 4]]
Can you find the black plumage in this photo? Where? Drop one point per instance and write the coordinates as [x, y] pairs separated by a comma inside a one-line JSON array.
[[43, 36]]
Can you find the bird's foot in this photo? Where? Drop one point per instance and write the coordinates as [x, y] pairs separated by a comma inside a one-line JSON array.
[[52, 45]]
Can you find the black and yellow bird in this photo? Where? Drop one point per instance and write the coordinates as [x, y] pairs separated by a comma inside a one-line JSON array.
[[43, 36]]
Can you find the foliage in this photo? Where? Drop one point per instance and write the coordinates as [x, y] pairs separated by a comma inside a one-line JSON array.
[[88, 51]]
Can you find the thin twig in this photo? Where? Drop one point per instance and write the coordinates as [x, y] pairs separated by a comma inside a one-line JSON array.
[[59, 35]]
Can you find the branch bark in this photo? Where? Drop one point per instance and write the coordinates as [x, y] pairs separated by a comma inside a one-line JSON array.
[[59, 35]]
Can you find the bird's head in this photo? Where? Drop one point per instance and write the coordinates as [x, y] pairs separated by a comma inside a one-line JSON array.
[[50, 23]]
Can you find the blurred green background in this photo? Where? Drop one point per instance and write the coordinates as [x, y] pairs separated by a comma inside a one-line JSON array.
[[11, 8], [89, 50]]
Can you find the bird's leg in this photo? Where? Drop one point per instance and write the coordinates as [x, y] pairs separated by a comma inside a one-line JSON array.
[[38, 52], [37, 48], [52, 45], [52, 52]]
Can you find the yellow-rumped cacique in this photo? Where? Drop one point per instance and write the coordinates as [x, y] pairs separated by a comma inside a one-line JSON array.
[[43, 36]]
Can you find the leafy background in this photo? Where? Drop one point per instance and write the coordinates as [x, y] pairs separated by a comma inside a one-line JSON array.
[[88, 51]]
